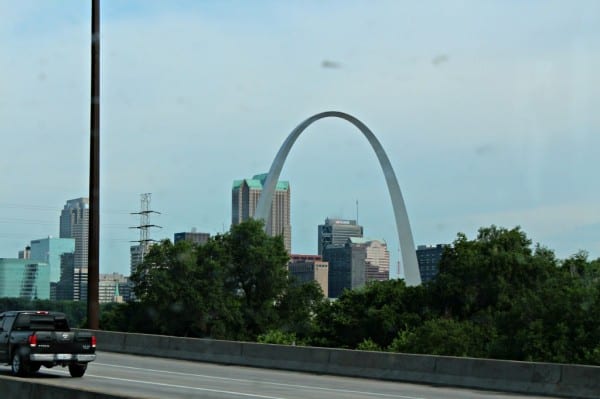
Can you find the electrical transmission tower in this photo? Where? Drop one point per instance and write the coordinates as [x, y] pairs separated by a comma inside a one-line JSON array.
[[144, 226]]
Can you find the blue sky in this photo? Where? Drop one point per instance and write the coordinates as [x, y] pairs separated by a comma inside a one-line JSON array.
[[487, 110]]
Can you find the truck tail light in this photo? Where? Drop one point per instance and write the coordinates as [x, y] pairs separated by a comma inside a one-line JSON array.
[[32, 340], [93, 341]]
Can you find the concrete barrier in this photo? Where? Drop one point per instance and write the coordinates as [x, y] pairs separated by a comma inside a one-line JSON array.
[[582, 380], [573, 381], [12, 387], [285, 357]]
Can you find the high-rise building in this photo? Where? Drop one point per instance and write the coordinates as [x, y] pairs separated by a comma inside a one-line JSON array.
[[136, 253], [376, 258], [24, 278], [49, 250], [429, 257], [244, 199], [192, 236], [337, 232], [356, 262], [64, 287], [305, 268], [74, 223], [80, 284]]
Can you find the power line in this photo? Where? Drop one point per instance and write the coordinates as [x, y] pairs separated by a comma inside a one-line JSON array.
[[47, 222], [45, 208]]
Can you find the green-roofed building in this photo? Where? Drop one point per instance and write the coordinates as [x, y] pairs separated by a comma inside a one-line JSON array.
[[244, 199]]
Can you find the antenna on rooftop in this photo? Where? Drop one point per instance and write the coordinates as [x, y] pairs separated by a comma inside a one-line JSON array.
[[357, 212], [145, 225]]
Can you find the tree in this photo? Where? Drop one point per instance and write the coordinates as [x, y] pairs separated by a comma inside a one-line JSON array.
[[375, 313], [297, 309], [443, 336], [228, 288], [488, 272], [181, 288], [256, 272]]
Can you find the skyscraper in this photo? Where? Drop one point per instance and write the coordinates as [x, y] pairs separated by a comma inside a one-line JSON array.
[[244, 199], [64, 288], [74, 223], [337, 232], [356, 262], [50, 251], [136, 253], [429, 257]]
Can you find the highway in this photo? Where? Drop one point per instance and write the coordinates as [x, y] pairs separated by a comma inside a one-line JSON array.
[[151, 377]]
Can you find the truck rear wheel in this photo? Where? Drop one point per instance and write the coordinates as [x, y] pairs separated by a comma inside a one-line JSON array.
[[18, 365], [77, 369]]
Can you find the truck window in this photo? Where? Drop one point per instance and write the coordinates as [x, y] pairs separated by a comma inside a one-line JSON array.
[[60, 324], [41, 323], [8, 322]]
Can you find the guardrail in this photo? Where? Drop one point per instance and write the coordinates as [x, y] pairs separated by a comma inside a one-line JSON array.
[[573, 381]]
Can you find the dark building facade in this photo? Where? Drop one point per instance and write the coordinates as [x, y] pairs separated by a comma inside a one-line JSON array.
[[337, 232], [355, 263], [192, 236], [429, 257], [339, 258], [64, 287]]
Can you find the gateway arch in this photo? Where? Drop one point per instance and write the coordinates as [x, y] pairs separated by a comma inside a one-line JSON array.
[[407, 245]]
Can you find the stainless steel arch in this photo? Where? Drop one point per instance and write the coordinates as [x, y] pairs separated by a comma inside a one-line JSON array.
[[407, 245]]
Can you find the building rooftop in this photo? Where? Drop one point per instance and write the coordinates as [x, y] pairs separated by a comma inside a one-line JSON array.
[[257, 182], [361, 240]]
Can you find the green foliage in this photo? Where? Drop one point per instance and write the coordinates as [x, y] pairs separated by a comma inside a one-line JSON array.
[[75, 311], [182, 291], [489, 272], [233, 287], [496, 296], [298, 307], [377, 311], [368, 345], [257, 273], [442, 336], [277, 337]]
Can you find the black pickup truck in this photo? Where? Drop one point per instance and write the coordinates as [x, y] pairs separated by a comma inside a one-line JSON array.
[[31, 339]]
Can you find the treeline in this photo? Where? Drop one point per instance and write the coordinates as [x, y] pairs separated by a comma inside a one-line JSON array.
[[496, 296], [76, 312]]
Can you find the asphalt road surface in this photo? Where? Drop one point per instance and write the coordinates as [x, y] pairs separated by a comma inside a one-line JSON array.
[[151, 377]]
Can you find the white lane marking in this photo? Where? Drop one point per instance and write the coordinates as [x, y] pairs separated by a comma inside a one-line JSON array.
[[250, 395], [260, 381]]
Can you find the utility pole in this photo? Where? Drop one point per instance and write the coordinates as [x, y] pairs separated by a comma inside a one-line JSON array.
[[93, 307]]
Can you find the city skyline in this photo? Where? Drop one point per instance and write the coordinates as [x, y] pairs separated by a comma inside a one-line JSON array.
[[494, 128]]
